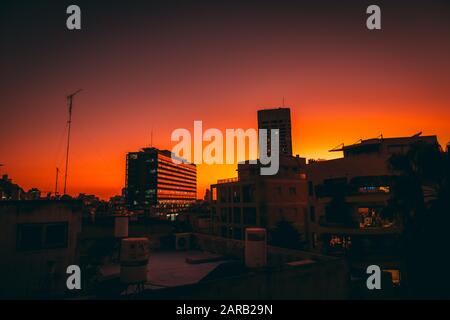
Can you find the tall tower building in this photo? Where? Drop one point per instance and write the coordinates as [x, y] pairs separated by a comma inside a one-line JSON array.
[[279, 118], [157, 186]]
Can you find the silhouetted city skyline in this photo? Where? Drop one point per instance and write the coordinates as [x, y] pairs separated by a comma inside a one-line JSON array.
[[157, 66]]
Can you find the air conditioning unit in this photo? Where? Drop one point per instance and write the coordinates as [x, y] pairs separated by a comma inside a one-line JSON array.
[[182, 241]]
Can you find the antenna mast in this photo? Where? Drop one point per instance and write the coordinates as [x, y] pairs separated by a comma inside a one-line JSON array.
[[56, 184], [69, 122]]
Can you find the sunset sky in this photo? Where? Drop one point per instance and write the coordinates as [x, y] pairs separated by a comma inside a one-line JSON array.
[[160, 65]]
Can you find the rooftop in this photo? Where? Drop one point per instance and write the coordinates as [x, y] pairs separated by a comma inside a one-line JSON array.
[[172, 268], [379, 140]]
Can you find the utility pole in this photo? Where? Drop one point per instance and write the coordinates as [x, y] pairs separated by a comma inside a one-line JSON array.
[[69, 122], [56, 184]]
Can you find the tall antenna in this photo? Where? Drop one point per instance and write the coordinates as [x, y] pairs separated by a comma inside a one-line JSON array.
[[283, 102], [69, 122], [56, 183]]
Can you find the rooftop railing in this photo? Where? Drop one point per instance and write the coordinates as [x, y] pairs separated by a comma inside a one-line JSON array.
[[228, 180]]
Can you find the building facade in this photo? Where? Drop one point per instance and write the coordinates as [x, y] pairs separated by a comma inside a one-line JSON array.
[[38, 241], [280, 119], [254, 200], [348, 205], [157, 186]]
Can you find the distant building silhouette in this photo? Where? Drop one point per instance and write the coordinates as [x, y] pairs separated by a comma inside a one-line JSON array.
[[34, 194], [10, 190], [158, 187], [279, 118]]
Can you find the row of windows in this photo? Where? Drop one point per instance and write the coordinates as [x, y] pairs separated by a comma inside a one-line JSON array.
[[176, 196], [40, 236], [177, 170], [233, 194], [168, 161], [172, 192], [236, 215], [169, 183], [176, 179], [174, 174], [181, 202], [170, 186]]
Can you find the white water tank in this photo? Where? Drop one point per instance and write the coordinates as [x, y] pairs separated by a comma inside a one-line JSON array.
[[134, 256], [255, 247], [121, 226]]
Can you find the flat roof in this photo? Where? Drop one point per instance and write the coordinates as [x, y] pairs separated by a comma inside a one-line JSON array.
[[170, 269], [374, 141], [40, 202]]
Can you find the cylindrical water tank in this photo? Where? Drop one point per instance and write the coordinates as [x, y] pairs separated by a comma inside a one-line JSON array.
[[121, 227], [255, 247], [133, 260]]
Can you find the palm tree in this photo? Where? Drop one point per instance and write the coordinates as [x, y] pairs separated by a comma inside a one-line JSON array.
[[421, 198]]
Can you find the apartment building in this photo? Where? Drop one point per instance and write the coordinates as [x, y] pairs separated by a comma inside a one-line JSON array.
[[348, 204], [254, 200]]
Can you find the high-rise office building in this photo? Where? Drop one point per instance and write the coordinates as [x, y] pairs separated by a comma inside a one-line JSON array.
[[279, 118], [156, 185]]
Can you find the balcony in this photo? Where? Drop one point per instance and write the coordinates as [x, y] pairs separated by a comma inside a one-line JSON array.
[[356, 186], [366, 221]]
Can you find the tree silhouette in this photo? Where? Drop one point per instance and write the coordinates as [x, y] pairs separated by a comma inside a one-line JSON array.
[[338, 211], [285, 235], [421, 199]]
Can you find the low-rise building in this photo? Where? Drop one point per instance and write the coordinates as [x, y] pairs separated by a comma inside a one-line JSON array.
[[252, 199], [38, 241]]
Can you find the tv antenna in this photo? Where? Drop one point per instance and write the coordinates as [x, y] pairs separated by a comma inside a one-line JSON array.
[[69, 122], [56, 183]]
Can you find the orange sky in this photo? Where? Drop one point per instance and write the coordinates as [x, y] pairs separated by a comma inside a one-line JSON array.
[[166, 69]]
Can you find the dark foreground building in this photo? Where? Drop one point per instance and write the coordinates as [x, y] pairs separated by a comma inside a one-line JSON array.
[[38, 241], [349, 213], [157, 186]]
